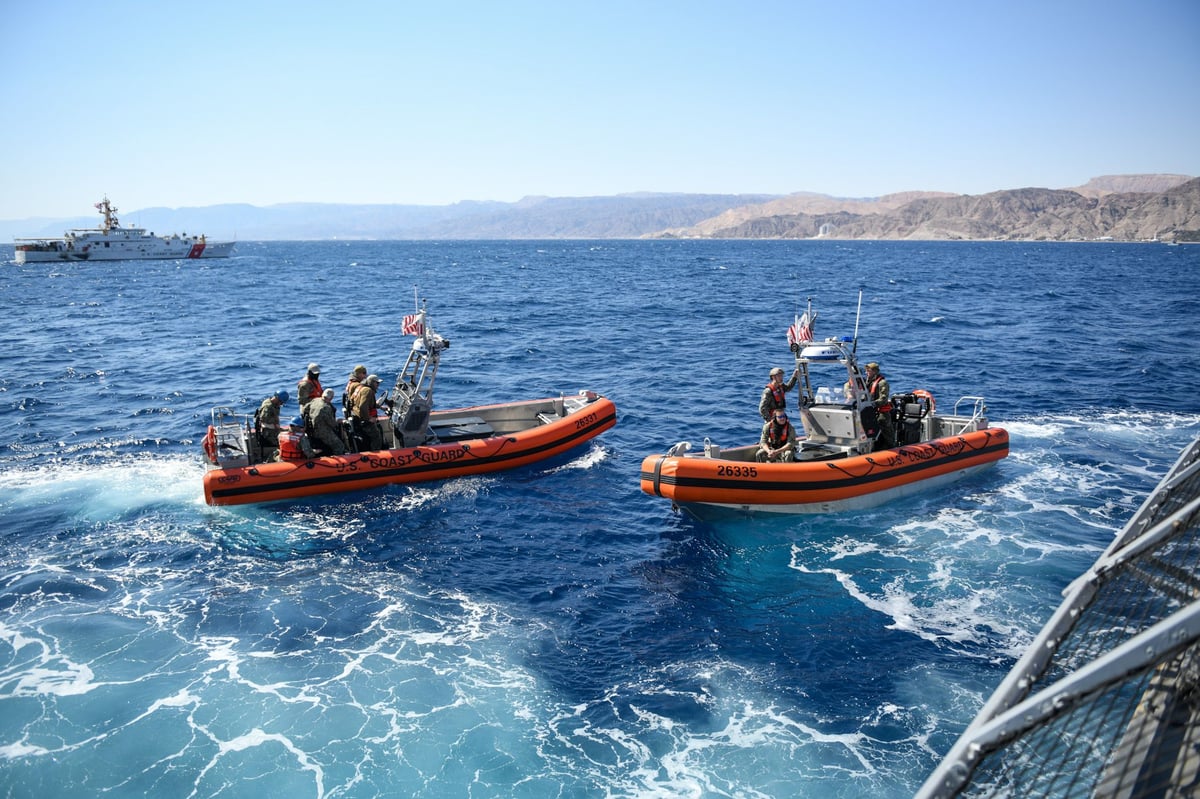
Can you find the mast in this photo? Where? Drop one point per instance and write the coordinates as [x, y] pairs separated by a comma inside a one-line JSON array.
[[110, 214], [411, 397]]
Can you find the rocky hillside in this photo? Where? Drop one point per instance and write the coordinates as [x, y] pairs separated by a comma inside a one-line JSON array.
[[1121, 207], [1126, 207]]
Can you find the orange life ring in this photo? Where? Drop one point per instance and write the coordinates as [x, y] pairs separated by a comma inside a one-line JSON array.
[[920, 392], [210, 444]]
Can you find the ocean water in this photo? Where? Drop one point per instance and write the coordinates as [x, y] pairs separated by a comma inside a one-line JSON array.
[[550, 631]]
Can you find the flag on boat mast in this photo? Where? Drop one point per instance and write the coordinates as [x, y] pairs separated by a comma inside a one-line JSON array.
[[801, 329], [413, 325]]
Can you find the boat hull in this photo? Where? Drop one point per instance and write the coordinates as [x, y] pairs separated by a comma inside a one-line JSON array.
[[152, 250], [270, 482], [713, 487]]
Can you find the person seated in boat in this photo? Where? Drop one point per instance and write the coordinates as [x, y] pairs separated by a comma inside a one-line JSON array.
[[880, 393], [293, 442], [775, 393], [321, 424], [309, 387], [356, 377], [266, 421], [362, 415], [778, 441]]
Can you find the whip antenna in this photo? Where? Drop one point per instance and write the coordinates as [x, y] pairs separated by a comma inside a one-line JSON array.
[[857, 316]]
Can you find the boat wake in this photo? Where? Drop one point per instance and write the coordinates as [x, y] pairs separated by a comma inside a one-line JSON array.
[[594, 456], [943, 572], [102, 491]]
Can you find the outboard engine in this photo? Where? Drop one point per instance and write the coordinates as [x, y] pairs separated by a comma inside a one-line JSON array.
[[911, 410]]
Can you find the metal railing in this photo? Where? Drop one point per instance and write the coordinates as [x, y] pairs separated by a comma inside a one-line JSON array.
[[1106, 700]]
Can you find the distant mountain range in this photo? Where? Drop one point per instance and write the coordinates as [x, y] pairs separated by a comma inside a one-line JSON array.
[[1120, 207]]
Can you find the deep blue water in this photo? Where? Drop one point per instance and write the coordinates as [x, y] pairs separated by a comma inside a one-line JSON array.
[[550, 631]]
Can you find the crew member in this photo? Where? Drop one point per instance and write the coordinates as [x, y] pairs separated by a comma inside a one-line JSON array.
[[778, 441], [309, 387], [362, 414], [881, 394], [266, 421], [356, 377], [322, 426], [775, 393], [293, 443]]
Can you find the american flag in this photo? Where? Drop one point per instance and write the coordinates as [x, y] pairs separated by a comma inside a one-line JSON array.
[[411, 326], [800, 330]]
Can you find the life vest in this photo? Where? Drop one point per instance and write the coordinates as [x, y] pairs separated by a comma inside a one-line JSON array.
[[348, 395], [316, 389], [289, 446], [362, 402], [777, 393], [884, 405], [778, 436]]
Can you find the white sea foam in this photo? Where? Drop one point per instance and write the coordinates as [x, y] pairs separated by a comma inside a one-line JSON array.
[[594, 455], [104, 490]]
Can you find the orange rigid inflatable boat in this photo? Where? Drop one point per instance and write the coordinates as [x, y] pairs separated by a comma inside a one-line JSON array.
[[498, 437], [420, 444], [840, 460], [735, 482]]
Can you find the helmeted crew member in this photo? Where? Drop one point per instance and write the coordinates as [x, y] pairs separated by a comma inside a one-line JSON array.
[[778, 441], [881, 394], [322, 425], [362, 412], [775, 394], [266, 421], [309, 387], [356, 377], [293, 443]]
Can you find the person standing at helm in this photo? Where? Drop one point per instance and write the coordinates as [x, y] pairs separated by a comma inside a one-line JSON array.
[[309, 387], [362, 414], [880, 392], [775, 394]]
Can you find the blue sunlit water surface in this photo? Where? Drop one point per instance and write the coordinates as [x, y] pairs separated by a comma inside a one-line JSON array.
[[550, 631]]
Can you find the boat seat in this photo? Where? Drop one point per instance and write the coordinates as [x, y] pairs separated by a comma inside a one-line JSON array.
[[460, 427], [548, 418]]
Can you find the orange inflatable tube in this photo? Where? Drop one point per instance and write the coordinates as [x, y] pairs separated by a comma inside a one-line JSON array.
[[741, 483]]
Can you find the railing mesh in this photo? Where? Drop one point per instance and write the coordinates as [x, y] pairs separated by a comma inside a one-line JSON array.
[[1136, 731]]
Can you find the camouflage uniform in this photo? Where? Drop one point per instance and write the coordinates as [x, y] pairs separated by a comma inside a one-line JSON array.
[[881, 394], [768, 403], [321, 421], [308, 389], [362, 411], [266, 421], [772, 438]]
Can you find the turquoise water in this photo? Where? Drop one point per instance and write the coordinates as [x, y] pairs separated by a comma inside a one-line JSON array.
[[550, 631]]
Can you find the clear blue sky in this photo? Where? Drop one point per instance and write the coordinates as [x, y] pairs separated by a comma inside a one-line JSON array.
[[195, 103]]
